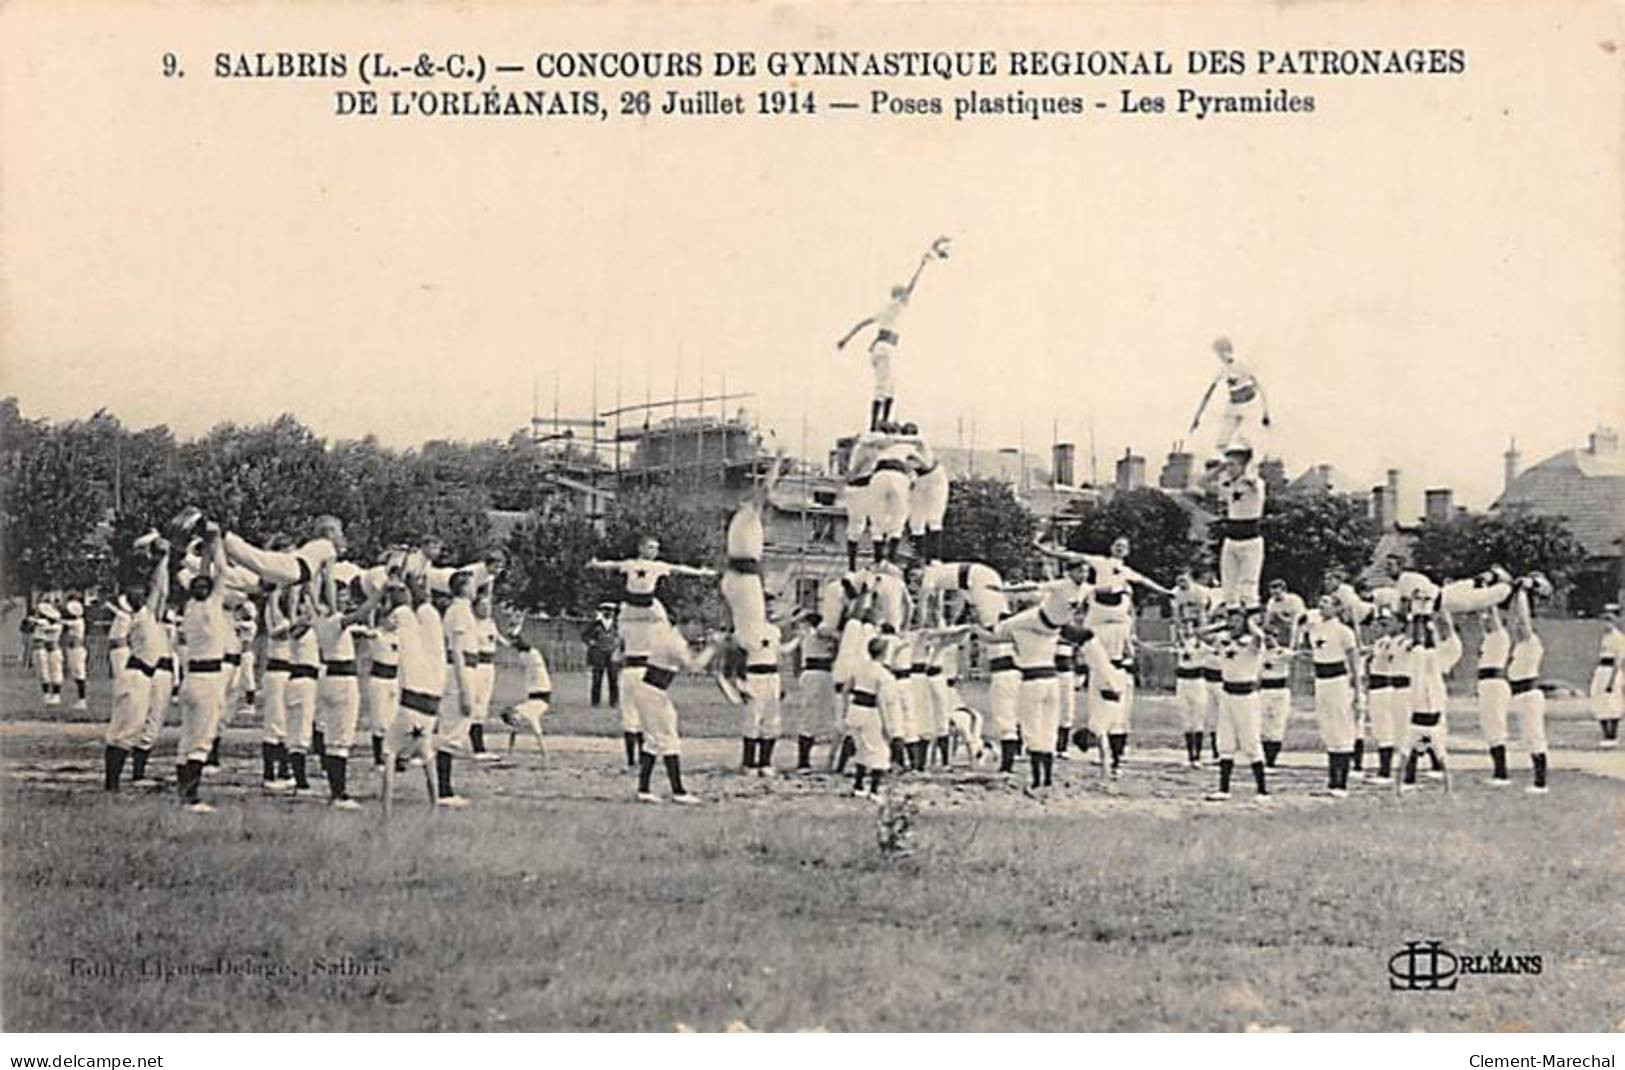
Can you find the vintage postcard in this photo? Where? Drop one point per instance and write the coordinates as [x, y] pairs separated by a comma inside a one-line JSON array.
[[773, 517]]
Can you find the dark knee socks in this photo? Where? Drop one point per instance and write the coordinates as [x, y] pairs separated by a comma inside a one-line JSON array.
[[442, 773], [113, 766]]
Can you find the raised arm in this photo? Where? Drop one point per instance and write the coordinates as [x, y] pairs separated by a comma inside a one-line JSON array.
[[1263, 398], [158, 587], [1202, 406], [856, 327], [938, 251]]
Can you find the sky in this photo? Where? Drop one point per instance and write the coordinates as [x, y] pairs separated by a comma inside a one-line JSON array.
[[1419, 271]]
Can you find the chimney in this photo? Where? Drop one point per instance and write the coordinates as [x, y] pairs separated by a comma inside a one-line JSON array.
[[1272, 470], [1323, 473], [1513, 461], [1603, 440], [1130, 471], [1177, 469], [1393, 496], [841, 455], [1381, 515], [1440, 505], [1062, 458]]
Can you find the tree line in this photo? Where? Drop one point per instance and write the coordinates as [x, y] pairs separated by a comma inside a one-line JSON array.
[[74, 494]]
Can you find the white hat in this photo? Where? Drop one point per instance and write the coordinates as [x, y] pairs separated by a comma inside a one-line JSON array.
[[48, 611], [75, 609]]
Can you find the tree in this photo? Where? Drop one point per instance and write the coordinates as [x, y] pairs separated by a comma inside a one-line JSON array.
[[54, 509], [267, 478], [1307, 533], [1520, 542], [548, 566], [986, 522], [1158, 529]]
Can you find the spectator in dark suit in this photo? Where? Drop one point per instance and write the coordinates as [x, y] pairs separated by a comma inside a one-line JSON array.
[[602, 640]]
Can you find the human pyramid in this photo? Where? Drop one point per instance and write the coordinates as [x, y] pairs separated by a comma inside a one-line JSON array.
[[881, 656], [431, 638]]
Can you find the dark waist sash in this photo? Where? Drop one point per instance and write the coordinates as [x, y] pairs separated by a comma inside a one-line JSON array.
[[1491, 672], [1109, 598], [891, 466], [1188, 674], [135, 664], [1002, 665], [302, 672], [750, 566], [1330, 670], [540, 696], [886, 334], [1240, 530], [203, 665], [817, 664], [1038, 672], [382, 670], [1520, 687], [1241, 395], [1425, 718], [933, 670], [1108, 695], [1243, 687], [863, 698], [645, 600], [1063, 663], [420, 702], [1399, 681], [341, 668], [858, 481], [902, 674], [233, 659], [487, 657], [658, 677], [1212, 676], [165, 664], [1273, 683], [762, 670], [1378, 682], [277, 665], [635, 661], [1605, 663]]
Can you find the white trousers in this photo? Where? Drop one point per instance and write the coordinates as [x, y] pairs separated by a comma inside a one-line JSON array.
[[1494, 697], [1334, 709], [1039, 709], [1241, 561], [202, 700], [1239, 738]]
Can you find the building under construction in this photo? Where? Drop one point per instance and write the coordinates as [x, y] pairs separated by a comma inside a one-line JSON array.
[[713, 451]]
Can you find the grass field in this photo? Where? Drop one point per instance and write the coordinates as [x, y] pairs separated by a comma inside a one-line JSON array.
[[557, 903]]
